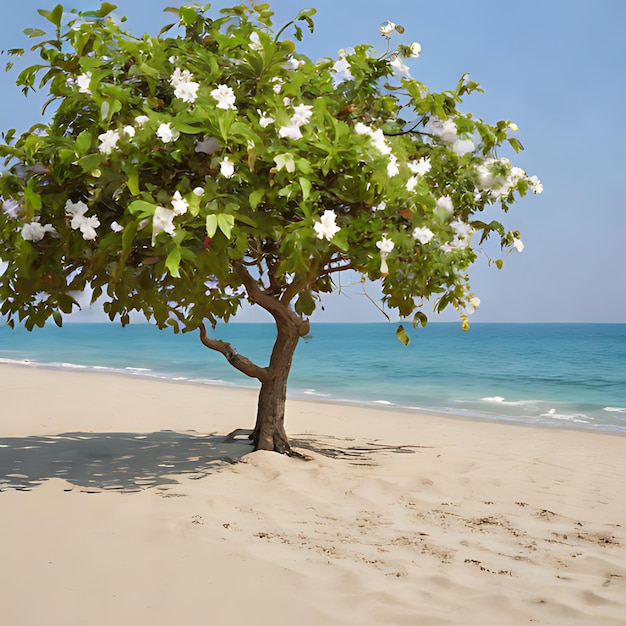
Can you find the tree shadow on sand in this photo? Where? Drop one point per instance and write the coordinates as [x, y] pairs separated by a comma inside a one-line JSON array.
[[123, 462]]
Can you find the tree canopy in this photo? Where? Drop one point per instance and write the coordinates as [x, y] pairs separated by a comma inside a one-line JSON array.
[[182, 173]]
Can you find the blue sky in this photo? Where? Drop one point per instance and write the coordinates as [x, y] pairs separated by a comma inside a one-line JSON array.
[[555, 67]]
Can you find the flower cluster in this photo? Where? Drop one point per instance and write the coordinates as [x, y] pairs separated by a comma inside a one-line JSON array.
[[498, 177], [184, 87], [79, 221]]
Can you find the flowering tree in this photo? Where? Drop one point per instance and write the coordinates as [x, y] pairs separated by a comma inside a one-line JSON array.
[[184, 173]]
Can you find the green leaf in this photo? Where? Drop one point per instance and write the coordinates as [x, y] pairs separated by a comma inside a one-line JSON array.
[[132, 178], [255, 197], [246, 220], [58, 318], [90, 162], [172, 262], [83, 142], [211, 224], [34, 32], [421, 318], [402, 336], [305, 304], [499, 263], [141, 206], [225, 223], [305, 183], [53, 16], [341, 240], [188, 129]]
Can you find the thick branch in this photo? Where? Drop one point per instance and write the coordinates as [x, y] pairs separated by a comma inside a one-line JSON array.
[[264, 300], [238, 361]]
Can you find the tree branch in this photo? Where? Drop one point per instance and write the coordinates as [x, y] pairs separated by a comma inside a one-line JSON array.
[[242, 363]]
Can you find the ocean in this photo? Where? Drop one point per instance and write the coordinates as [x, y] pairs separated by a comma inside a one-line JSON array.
[[560, 375]]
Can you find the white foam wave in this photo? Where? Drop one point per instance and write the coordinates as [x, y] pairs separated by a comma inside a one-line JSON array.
[[384, 402], [615, 409], [576, 418], [501, 400], [313, 392]]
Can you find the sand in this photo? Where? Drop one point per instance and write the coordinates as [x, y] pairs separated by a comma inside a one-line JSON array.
[[120, 503]]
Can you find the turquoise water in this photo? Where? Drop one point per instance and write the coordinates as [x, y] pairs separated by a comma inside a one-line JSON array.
[[567, 375]]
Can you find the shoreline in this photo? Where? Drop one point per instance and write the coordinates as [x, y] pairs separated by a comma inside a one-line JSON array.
[[120, 493], [302, 396]]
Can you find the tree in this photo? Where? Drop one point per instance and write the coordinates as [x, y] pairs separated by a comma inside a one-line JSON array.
[[183, 173]]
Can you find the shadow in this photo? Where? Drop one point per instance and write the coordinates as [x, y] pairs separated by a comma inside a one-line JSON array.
[[123, 462]]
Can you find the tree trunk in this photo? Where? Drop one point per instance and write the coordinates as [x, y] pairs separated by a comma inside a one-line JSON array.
[[269, 431]]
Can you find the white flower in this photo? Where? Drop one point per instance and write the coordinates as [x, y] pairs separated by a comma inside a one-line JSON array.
[[187, 91], [399, 66], [444, 204], [278, 85], [513, 126], [88, 227], [255, 42], [463, 146], [416, 48], [420, 167], [264, 119], [474, 302], [11, 207], [326, 228], [129, 131], [518, 244], [379, 141], [380, 207], [362, 129], [285, 161], [536, 184], [36, 231], [179, 203], [108, 141], [140, 120], [448, 131], [423, 234], [392, 166], [292, 131], [462, 229], [387, 28], [293, 63], [116, 228], [83, 82], [286, 101], [180, 76], [225, 97], [301, 114], [385, 246], [227, 167], [162, 222], [198, 191], [411, 183], [76, 210], [342, 71], [165, 133]]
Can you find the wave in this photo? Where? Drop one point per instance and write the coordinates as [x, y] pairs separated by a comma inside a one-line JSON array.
[[615, 409], [501, 400]]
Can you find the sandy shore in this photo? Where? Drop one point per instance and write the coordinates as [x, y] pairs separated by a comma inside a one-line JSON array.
[[121, 504]]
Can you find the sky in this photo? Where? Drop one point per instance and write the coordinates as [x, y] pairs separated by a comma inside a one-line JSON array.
[[554, 67]]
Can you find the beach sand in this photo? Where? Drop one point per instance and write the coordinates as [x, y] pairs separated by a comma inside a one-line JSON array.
[[121, 504]]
